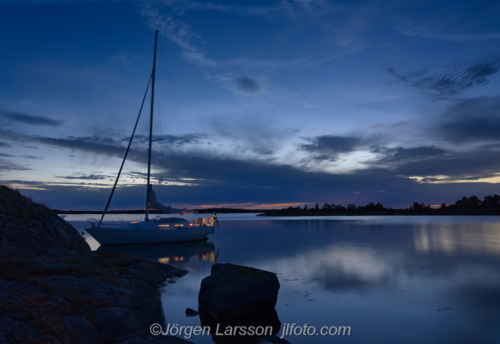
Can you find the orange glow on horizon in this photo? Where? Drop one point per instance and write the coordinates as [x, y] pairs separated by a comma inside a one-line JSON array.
[[249, 206]]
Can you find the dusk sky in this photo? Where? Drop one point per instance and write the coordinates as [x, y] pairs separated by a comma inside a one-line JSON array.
[[258, 103]]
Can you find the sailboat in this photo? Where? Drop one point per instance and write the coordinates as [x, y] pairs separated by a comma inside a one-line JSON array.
[[159, 229]]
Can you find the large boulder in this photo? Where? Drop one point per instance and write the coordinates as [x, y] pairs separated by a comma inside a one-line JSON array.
[[233, 291]]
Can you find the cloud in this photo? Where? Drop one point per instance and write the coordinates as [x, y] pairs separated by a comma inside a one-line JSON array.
[[228, 178], [89, 177], [431, 163], [331, 144], [173, 140], [410, 30], [30, 119], [288, 8], [472, 119], [91, 144], [475, 164], [3, 144], [451, 84], [101, 145], [14, 136], [264, 151], [247, 85], [416, 153], [165, 15], [255, 133], [230, 181], [32, 157], [9, 166], [23, 156], [216, 179], [246, 172], [178, 31], [315, 159]]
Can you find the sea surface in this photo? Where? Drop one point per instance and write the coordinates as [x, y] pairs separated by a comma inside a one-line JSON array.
[[392, 279]]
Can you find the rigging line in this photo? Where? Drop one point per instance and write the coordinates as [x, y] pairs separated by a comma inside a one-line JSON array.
[[126, 153]]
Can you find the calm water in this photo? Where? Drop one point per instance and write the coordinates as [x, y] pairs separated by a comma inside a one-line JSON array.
[[392, 279]]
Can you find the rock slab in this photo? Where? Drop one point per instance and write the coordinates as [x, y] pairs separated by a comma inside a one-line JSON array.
[[53, 289]]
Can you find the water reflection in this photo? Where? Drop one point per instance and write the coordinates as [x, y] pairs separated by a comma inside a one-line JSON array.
[[392, 282], [392, 279], [183, 255], [472, 239]]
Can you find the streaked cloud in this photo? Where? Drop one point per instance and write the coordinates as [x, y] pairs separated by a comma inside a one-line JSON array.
[[175, 29], [22, 156], [331, 143], [414, 153], [11, 166], [86, 176], [18, 117], [472, 119], [447, 36], [173, 140], [451, 84], [472, 165]]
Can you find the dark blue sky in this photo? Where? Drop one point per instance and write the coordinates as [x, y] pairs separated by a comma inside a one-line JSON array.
[[258, 102]]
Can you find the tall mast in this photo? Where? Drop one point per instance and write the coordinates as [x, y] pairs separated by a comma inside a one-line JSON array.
[[151, 124]]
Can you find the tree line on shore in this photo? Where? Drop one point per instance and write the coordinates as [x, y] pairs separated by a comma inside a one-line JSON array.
[[472, 205]]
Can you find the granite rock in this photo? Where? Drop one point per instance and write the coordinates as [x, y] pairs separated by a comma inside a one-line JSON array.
[[53, 289]]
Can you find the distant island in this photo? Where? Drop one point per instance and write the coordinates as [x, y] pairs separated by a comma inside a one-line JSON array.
[[472, 205], [465, 206]]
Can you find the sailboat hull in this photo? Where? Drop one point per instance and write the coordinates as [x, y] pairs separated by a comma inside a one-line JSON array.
[[123, 235]]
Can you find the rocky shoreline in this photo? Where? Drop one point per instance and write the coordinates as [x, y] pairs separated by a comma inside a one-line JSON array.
[[53, 289]]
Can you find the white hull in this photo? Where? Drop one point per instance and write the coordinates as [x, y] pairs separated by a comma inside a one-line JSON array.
[[126, 235]]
